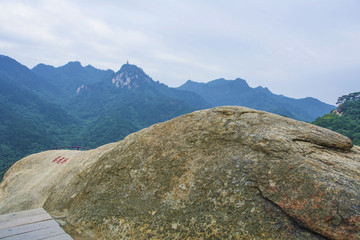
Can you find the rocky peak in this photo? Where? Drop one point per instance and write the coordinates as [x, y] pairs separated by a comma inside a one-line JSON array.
[[131, 77], [222, 173]]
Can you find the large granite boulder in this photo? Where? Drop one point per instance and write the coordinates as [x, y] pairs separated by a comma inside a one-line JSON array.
[[227, 173]]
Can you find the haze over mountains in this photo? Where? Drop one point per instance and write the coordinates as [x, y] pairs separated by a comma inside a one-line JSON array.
[[74, 105]]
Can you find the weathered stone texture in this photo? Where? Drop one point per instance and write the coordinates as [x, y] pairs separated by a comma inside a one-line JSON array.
[[222, 173]]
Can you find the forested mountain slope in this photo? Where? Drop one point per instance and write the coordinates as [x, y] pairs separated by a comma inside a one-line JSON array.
[[345, 119], [75, 105], [28, 123]]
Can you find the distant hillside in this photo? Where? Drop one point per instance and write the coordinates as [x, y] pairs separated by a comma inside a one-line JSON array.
[[237, 92], [28, 123], [125, 103], [22, 76], [75, 105], [346, 119], [113, 105], [70, 77]]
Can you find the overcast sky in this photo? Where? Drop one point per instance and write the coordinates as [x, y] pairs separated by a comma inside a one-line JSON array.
[[297, 48]]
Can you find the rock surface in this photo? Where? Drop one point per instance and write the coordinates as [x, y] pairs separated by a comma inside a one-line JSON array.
[[227, 173]]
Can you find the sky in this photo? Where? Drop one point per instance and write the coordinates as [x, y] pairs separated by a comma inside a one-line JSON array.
[[297, 48]]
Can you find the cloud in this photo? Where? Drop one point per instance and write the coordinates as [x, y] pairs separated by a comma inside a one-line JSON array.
[[287, 46]]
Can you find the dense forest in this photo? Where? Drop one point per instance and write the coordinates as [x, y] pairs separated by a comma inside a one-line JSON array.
[[345, 119]]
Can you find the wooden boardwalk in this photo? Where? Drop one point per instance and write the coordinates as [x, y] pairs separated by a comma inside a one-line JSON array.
[[30, 225]]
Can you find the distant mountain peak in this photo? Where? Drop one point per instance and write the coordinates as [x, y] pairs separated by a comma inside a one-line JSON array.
[[10, 64], [127, 67], [74, 63], [191, 82], [131, 76], [4, 57], [42, 67]]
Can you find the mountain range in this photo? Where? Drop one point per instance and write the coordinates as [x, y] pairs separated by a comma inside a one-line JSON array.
[[48, 106], [237, 92]]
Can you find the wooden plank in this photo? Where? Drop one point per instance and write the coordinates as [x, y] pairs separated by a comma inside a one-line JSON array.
[[30, 224], [40, 234], [24, 220], [26, 213], [27, 228], [60, 237]]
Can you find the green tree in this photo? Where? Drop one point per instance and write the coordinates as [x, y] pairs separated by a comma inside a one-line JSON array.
[[346, 119]]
